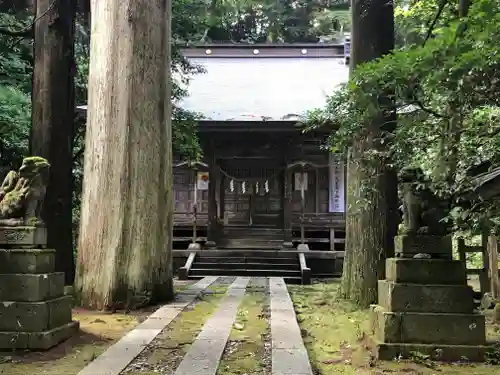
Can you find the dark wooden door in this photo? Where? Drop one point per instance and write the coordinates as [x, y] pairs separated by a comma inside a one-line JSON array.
[[252, 193], [266, 202]]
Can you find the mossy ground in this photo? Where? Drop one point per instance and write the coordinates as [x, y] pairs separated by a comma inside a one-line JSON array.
[[335, 334], [98, 331], [246, 352], [165, 353]]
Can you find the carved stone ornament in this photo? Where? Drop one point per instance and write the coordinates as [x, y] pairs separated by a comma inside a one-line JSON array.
[[22, 193], [423, 211]]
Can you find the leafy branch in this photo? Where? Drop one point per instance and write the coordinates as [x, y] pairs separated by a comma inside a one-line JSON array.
[[26, 32]]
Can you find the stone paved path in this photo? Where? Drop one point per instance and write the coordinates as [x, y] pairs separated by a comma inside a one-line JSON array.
[[289, 356], [119, 355], [205, 353]]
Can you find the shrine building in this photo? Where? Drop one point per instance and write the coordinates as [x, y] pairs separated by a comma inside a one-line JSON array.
[[248, 186]]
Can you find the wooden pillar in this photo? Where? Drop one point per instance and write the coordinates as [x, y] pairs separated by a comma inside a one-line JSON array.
[[287, 199], [212, 230], [493, 263], [222, 196], [316, 191]]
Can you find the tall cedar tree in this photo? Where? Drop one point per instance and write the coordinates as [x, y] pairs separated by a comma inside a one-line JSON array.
[[372, 201], [52, 121], [124, 249]]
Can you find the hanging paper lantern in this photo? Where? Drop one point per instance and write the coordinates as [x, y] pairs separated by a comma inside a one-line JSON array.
[[243, 187], [266, 186], [231, 186], [257, 187]]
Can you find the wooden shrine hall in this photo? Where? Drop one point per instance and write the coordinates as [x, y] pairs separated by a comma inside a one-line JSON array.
[[263, 182], [263, 187]]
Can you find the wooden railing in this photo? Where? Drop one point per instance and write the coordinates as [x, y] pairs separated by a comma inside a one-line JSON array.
[[489, 280]]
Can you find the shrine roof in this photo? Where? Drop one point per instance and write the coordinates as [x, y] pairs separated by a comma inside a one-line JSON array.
[[263, 82]]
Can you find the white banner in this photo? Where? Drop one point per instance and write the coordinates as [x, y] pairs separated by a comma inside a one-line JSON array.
[[300, 179], [202, 181], [337, 184]]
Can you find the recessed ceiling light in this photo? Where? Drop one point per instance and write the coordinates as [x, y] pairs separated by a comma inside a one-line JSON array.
[[256, 51], [304, 52], [208, 51]]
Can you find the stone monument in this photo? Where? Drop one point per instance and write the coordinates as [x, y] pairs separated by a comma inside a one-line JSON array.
[[425, 305], [34, 312]]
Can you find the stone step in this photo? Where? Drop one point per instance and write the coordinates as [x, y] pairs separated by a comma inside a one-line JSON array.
[[31, 287], [27, 261], [251, 244], [426, 271], [244, 272], [35, 316], [427, 328], [246, 265], [221, 260], [399, 297], [251, 253], [445, 353]]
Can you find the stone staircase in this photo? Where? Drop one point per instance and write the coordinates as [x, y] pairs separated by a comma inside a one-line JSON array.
[[265, 263]]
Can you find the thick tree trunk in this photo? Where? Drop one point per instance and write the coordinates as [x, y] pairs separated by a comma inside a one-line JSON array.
[[372, 200], [52, 121], [124, 251]]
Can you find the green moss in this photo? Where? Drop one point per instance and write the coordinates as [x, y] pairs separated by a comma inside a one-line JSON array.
[[97, 332], [35, 160], [335, 334], [170, 346], [247, 339]]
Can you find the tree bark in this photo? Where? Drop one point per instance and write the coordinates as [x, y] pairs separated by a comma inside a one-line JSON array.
[[124, 252], [372, 201], [52, 121]]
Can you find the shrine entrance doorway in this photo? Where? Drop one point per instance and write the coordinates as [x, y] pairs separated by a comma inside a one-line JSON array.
[[252, 189]]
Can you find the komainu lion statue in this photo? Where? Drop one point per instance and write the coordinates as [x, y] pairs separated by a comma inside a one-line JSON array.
[[423, 211], [22, 193]]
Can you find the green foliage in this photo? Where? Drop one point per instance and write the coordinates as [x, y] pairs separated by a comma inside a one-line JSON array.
[[15, 86], [15, 122], [279, 21], [446, 94]]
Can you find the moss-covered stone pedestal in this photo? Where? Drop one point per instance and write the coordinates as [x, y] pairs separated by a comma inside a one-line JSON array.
[[34, 312], [425, 306]]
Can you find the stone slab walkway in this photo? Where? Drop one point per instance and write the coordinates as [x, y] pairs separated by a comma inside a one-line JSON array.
[[289, 355], [114, 360], [205, 353]]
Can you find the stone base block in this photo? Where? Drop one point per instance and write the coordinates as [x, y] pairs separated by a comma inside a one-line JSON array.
[[194, 246], [302, 247], [496, 313], [210, 245], [35, 316], [424, 328], [406, 246], [22, 236], [31, 288], [426, 271], [27, 261], [398, 297], [37, 340], [444, 353]]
